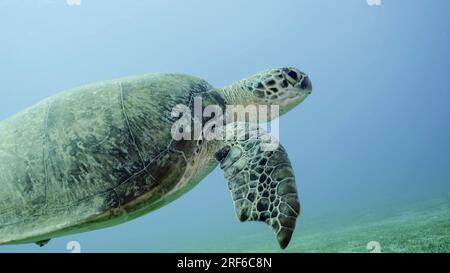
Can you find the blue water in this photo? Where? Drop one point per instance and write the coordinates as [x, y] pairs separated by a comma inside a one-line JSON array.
[[374, 132]]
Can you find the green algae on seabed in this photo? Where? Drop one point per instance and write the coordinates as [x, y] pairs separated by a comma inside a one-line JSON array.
[[422, 226], [414, 231]]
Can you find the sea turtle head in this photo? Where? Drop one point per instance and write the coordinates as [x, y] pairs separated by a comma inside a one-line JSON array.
[[284, 87]]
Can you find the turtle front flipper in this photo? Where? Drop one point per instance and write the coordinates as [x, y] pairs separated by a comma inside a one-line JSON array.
[[261, 179]]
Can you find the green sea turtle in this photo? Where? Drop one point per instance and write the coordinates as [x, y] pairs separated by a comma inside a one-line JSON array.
[[104, 153]]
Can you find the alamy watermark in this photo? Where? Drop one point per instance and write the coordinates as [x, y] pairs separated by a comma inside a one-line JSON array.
[[74, 247], [373, 247], [213, 123], [73, 2], [374, 2]]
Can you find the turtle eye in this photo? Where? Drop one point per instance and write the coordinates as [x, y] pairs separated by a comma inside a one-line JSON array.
[[293, 75]]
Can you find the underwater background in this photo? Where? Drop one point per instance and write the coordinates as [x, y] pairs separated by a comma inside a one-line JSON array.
[[370, 146]]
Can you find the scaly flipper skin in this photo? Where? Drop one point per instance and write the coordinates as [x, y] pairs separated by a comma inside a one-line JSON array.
[[261, 179]]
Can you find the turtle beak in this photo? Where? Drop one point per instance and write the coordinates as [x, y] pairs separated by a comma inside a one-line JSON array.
[[305, 85]]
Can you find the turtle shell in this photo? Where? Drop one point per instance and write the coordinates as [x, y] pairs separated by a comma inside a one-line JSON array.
[[91, 156]]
